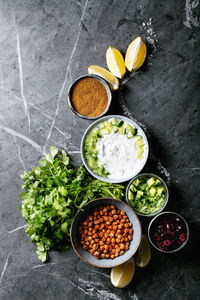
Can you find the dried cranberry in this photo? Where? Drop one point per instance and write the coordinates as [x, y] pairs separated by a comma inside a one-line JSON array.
[[167, 243], [156, 237], [161, 246], [182, 237]]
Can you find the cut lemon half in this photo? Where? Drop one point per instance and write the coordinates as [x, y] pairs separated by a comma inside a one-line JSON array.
[[143, 254], [122, 275], [135, 54], [115, 62], [109, 77]]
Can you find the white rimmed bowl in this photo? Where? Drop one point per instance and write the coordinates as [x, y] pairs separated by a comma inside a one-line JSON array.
[[139, 131], [87, 256]]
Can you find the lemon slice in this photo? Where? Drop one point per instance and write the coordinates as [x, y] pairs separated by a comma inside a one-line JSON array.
[[143, 254], [115, 62], [135, 54], [109, 77], [122, 275]]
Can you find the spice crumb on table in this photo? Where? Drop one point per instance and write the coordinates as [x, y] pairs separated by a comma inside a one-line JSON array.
[[89, 97]]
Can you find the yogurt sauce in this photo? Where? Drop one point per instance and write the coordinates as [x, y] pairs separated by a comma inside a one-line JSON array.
[[117, 154]]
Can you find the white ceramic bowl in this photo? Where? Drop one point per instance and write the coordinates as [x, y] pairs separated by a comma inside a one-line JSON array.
[[139, 131]]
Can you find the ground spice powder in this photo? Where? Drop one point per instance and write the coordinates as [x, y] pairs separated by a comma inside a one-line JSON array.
[[89, 97]]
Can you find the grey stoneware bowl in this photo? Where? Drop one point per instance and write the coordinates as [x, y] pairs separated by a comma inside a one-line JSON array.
[[166, 191], [140, 132], [101, 80], [87, 256], [157, 219]]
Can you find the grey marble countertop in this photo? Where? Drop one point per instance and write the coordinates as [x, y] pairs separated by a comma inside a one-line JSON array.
[[44, 46]]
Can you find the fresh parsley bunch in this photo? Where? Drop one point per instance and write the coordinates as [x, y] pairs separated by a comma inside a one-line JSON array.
[[54, 191]]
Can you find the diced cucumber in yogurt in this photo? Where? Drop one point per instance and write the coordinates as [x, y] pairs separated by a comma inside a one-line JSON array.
[[95, 139], [105, 131], [114, 122], [120, 123], [122, 130], [115, 129]]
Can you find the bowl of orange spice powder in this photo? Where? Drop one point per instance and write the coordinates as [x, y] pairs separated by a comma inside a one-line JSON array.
[[89, 97]]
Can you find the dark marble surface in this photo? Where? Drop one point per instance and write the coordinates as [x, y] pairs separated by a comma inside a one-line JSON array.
[[44, 46]]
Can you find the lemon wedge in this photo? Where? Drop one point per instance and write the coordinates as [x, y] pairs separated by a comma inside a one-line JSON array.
[[122, 275], [143, 254], [115, 62], [135, 54], [109, 77]]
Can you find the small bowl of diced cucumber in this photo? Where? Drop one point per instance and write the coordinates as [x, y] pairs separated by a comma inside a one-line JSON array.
[[147, 194]]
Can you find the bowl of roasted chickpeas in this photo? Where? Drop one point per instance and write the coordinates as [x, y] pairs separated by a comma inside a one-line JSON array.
[[106, 233]]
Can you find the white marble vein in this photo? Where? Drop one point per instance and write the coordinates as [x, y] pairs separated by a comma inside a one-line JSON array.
[[16, 229], [189, 14], [2, 83], [4, 268], [23, 137], [19, 153], [66, 75], [21, 76], [171, 288], [43, 113], [98, 291], [73, 152]]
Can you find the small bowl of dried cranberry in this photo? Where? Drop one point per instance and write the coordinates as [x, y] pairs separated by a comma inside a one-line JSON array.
[[168, 232]]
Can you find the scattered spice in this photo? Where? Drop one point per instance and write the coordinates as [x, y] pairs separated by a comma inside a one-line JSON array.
[[89, 97]]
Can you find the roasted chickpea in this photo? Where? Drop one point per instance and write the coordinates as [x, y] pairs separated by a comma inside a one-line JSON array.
[[117, 240], [113, 240], [112, 234], [115, 227], [106, 232], [130, 237], [95, 247], [122, 246]]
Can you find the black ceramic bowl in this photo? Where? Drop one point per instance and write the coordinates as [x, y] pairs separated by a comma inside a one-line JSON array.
[[168, 232], [101, 80], [87, 256]]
